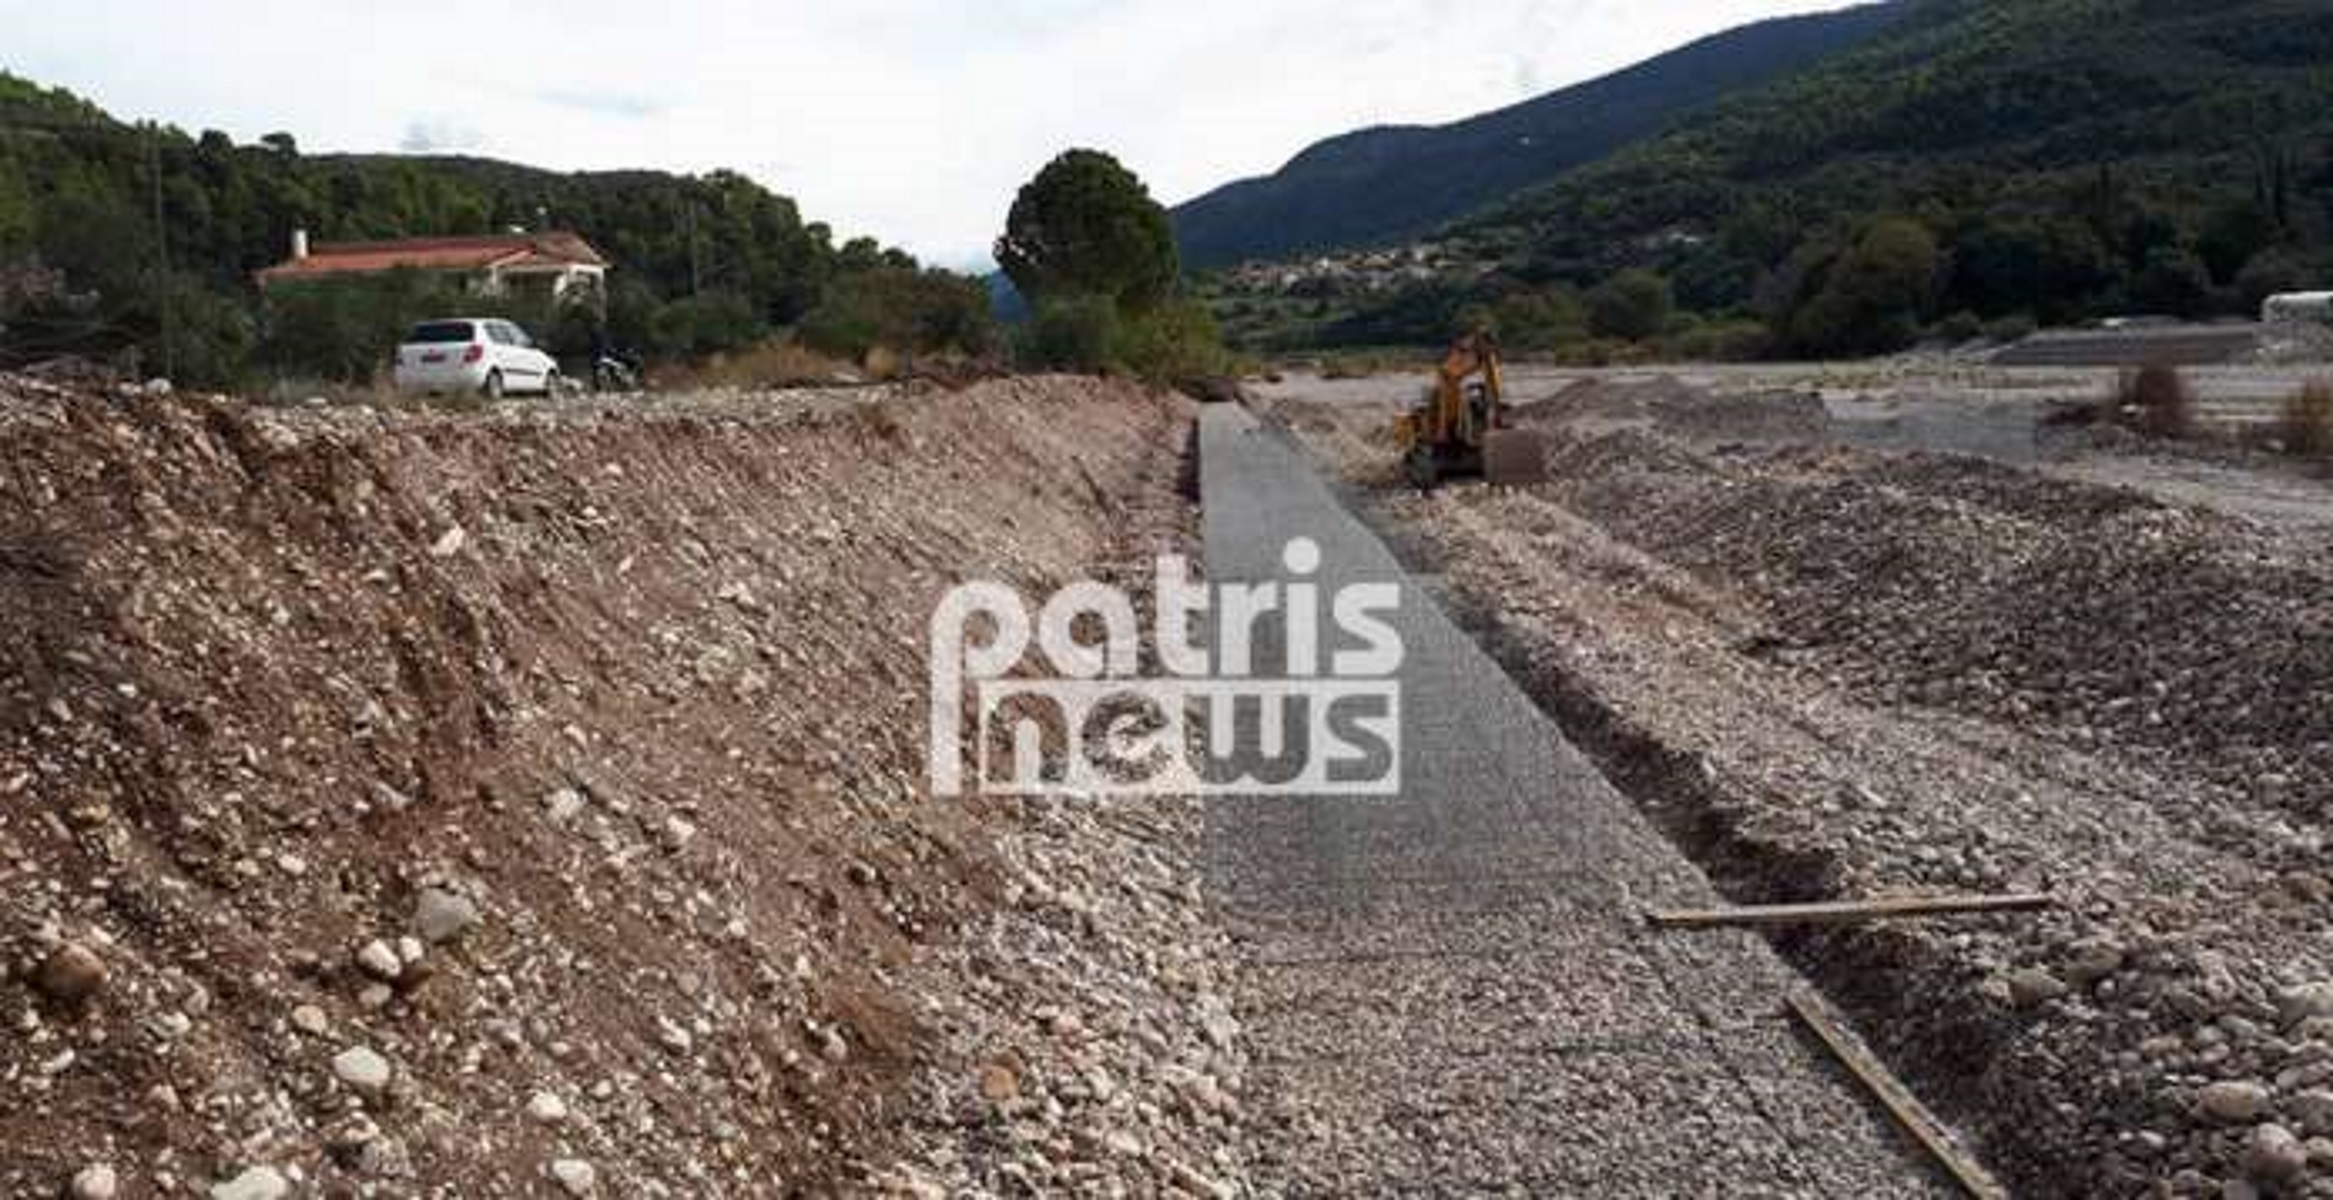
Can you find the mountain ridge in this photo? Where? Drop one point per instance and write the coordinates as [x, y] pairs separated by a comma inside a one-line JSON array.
[[1383, 183]]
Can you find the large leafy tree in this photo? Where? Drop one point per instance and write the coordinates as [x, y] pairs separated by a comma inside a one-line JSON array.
[[1871, 299], [1087, 227]]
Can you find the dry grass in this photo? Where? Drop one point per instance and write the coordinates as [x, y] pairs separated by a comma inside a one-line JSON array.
[[2308, 421], [2155, 400], [777, 363]]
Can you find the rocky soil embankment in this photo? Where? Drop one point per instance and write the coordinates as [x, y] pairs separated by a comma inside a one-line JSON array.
[[530, 802], [1833, 673]]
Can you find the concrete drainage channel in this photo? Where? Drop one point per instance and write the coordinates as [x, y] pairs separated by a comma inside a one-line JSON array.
[[1869, 972], [1452, 991]]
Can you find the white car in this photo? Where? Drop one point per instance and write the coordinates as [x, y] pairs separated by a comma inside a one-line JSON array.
[[485, 355]]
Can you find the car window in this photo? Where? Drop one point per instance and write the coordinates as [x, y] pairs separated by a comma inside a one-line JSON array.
[[518, 335], [439, 333], [498, 332]]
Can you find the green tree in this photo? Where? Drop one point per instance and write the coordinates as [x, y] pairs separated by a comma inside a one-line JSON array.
[[1633, 305], [1070, 333], [1171, 342], [1872, 298], [1086, 226], [900, 309], [16, 211], [2174, 281], [2231, 236], [2053, 266], [714, 323], [2278, 269]]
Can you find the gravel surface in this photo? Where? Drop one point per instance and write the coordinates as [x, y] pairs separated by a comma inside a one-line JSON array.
[[1827, 672], [1452, 992], [527, 802]]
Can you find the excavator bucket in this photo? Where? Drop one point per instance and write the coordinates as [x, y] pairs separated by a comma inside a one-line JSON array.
[[1514, 457]]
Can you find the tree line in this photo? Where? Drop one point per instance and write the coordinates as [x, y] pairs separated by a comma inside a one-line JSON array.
[[139, 245]]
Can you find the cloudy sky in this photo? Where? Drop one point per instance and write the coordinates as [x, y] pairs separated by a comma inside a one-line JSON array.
[[913, 120]]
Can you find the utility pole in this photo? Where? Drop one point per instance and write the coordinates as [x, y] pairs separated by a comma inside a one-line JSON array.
[[161, 248]]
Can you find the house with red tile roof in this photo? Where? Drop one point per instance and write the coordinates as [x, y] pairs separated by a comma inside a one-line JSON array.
[[560, 264]]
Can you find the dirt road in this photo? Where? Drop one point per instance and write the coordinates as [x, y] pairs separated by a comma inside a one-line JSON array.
[[1452, 991]]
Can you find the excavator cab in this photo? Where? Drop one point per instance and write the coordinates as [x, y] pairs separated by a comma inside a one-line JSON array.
[[1464, 428]]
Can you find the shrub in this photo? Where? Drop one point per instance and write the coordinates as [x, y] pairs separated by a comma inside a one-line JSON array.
[[2014, 328], [775, 363], [713, 323], [1871, 298], [1960, 328], [2155, 400], [918, 312], [1632, 305], [1070, 334], [1720, 341], [1175, 341], [2308, 421]]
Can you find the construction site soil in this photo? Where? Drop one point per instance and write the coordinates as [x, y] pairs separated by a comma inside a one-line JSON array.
[[530, 802], [1835, 672]]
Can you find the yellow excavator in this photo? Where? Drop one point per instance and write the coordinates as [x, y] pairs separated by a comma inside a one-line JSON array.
[[1465, 428]]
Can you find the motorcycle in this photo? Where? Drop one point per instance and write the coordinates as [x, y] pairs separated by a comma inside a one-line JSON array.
[[610, 373]]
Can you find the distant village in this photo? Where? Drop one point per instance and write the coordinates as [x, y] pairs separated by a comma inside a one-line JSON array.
[[1382, 270]]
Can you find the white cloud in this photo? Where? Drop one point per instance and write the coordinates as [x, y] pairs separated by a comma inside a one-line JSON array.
[[439, 135], [913, 120]]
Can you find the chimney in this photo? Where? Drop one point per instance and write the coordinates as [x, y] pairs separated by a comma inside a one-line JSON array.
[[299, 244]]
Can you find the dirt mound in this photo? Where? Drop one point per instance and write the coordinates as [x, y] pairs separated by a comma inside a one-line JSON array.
[[482, 801], [1955, 581]]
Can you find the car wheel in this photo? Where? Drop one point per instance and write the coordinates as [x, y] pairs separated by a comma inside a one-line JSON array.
[[553, 384], [493, 388]]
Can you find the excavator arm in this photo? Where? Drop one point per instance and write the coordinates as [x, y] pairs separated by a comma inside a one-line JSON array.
[[1462, 426]]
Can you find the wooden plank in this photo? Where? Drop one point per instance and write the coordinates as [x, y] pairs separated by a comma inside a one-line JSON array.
[[1837, 911], [1899, 1101]]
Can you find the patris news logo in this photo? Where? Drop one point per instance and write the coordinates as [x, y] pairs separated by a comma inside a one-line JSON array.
[[1260, 689]]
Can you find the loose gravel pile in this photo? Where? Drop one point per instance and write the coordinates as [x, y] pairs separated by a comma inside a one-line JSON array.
[[530, 801], [2088, 613]]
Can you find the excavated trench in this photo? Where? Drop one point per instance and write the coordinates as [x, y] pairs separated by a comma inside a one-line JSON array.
[[1876, 976]]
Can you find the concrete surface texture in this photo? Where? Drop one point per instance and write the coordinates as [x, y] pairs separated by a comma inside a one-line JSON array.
[[1452, 991]]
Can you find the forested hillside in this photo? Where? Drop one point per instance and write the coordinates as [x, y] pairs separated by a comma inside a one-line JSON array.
[[2065, 158], [1379, 185], [1980, 165], [95, 215]]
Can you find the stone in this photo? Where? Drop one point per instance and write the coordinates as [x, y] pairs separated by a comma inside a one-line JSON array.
[[547, 1108], [2313, 1111], [564, 805], [999, 1084], [576, 1176], [96, 1182], [2274, 1155], [449, 543], [2297, 1004], [380, 961], [2233, 1101], [310, 1020], [2030, 987], [2093, 959], [442, 916], [71, 975], [363, 1068], [258, 1183]]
